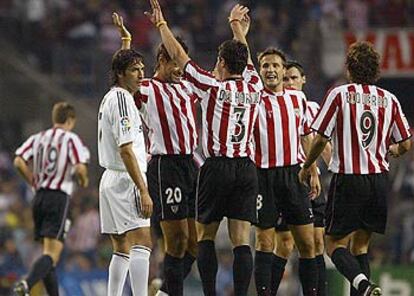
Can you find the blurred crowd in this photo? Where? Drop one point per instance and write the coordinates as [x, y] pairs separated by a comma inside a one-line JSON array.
[[49, 32]]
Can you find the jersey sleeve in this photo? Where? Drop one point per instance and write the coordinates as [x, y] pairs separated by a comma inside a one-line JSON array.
[[252, 77], [78, 152], [325, 121], [312, 110], [199, 79], [25, 151], [400, 128], [122, 108]]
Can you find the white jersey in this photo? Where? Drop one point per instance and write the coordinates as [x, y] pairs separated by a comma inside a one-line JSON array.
[[119, 123], [54, 153]]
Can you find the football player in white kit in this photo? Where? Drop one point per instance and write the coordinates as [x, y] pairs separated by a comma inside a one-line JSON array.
[[125, 204]]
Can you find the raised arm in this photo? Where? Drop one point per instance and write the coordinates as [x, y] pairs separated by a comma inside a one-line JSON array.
[[240, 24], [126, 37], [173, 47]]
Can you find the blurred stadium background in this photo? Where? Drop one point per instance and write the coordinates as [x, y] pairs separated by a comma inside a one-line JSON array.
[[54, 50]]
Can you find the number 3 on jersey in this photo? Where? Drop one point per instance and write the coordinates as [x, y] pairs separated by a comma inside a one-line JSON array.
[[240, 127]]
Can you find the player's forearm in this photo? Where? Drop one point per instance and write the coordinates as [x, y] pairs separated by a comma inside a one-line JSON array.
[[327, 154], [306, 142], [81, 171], [133, 169], [238, 34], [126, 44], [23, 170], [174, 48], [316, 149]]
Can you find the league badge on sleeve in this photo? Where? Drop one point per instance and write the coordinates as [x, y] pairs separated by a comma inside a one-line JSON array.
[[125, 124]]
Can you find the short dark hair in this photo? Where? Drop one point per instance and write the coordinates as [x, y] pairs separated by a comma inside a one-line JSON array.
[[162, 51], [270, 51], [363, 63], [235, 54], [121, 60], [297, 65], [62, 111]]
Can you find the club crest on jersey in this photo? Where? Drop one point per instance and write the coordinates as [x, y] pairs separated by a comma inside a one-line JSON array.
[[175, 209]]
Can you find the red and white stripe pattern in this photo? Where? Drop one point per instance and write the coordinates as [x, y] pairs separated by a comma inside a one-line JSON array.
[[363, 120], [229, 109], [312, 110], [54, 153], [281, 122], [170, 116]]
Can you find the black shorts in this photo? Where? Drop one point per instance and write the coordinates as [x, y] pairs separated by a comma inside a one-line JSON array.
[[282, 197], [50, 214], [227, 187], [171, 184], [357, 202], [318, 210]]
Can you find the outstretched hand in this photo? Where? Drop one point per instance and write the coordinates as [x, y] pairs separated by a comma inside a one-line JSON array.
[[118, 21], [238, 12], [155, 16], [245, 24]]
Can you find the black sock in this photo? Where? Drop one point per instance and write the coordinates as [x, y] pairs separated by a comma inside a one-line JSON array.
[[278, 269], [188, 261], [39, 270], [322, 283], [348, 265], [173, 272], [263, 272], [308, 275], [207, 266], [364, 264], [51, 283], [242, 269]]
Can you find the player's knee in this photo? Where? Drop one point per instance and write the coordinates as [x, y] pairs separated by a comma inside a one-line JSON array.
[[264, 244], [357, 248], [177, 244], [306, 247], [192, 246], [319, 245], [239, 238], [285, 246]]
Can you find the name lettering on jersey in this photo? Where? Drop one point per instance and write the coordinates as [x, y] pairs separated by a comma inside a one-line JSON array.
[[366, 99], [238, 97]]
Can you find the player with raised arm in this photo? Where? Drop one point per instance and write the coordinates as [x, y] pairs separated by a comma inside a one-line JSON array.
[[171, 171], [282, 138], [54, 154], [295, 78], [125, 204], [227, 182], [365, 123]]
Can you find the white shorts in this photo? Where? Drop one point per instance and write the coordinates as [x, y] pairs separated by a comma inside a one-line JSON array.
[[119, 203]]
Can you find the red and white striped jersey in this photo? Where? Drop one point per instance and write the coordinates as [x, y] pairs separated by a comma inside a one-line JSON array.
[[363, 120], [169, 111], [229, 109], [312, 110], [281, 122], [54, 153]]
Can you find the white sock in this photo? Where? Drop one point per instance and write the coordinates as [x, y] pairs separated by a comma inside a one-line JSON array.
[[118, 269], [358, 279], [139, 270]]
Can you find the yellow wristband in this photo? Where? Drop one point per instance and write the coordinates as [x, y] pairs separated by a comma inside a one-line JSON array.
[[233, 20], [160, 23]]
